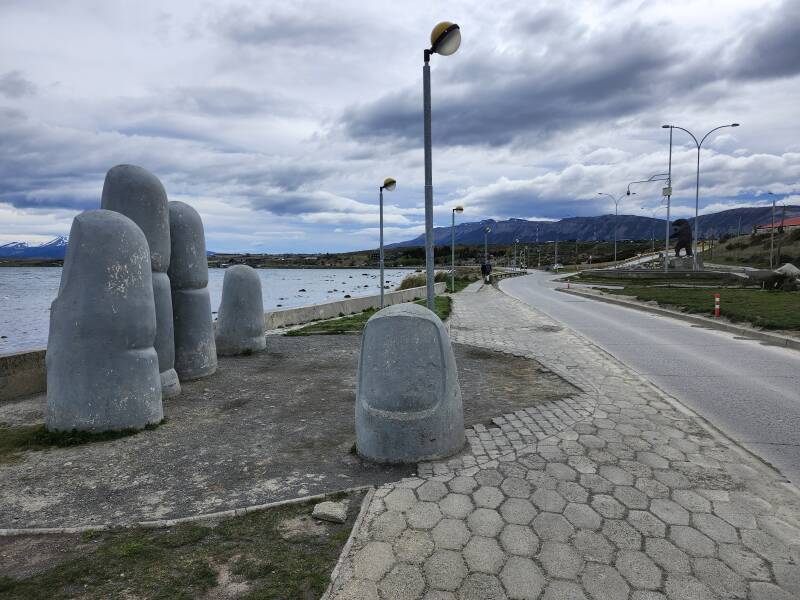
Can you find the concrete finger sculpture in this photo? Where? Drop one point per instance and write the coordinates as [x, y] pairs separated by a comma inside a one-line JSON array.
[[102, 368], [195, 350], [240, 321], [408, 401], [139, 195]]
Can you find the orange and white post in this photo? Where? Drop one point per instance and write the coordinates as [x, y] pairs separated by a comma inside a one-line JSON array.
[[716, 305]]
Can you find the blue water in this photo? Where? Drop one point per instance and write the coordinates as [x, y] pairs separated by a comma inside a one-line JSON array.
[[26, 294]]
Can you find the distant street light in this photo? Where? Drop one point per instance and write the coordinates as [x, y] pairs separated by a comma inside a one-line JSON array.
[[445, 40], [457, 209], [667, 192], [516, 241], [487, 230], [697, 179], [388, 184], [616, 215]]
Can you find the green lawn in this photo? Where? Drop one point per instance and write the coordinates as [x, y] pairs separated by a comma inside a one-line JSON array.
[[768, 309], [277, 553], [356, 323]]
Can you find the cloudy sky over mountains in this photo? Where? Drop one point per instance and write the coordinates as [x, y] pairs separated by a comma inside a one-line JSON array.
[[278, 121]]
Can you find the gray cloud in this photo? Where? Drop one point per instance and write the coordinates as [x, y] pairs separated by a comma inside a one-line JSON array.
[[14, 85], [771, 49]]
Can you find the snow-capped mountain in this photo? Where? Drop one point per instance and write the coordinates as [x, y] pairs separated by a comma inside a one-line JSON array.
[[55, 248]]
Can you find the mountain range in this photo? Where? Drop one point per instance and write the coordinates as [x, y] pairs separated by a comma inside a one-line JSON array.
[[629, 227], [55, 248]]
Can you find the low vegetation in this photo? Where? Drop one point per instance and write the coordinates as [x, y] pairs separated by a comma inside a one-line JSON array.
[[355, 323], [770, 309], [754, 250], [276, 553]]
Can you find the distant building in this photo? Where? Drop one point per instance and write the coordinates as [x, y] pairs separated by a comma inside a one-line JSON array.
[[788, 225]]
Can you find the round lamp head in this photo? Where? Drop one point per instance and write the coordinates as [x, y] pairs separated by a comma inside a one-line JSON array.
[[488, 230], [666, 126], [389, 184], [734, 124], [445, 38], [459, 209]]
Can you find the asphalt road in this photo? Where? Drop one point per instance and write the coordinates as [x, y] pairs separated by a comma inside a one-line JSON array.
[[749, 390]]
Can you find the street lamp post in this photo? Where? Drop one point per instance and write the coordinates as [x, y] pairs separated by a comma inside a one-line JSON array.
[[445, 40], [516, 241], [486, 233], [388, 184], [697, 179], [457, 209], [616, 215]]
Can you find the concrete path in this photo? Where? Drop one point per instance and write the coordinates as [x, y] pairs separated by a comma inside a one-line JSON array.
[[749, 390], [638, 500]]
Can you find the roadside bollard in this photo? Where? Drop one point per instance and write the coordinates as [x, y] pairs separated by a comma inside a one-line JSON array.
[[716, 305]]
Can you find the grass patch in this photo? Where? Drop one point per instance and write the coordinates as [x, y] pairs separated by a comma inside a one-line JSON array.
[[355, 323], [765, 308], [183, 562], [37, 437]]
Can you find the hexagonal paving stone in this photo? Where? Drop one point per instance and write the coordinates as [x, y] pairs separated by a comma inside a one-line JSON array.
[[358, 589], [647, 595], [682, 587], [489, 477], [485, 521], [445, 570], [404, 582], [572, 492], [483, 554], [400, 499], [595, 483], [522, 578], [670, 512], [616, 475], [517, 511], [560, 560], [638, 569], [462, 484], [450, 534], [647, 523], [439, 595], [622, 534], [582, 516], [651, 459], [550, 526], [516, 487], [766, 545], [548, 500], [691, 541], [432, 491], [745, 562], [388, 526], [631, 497], [769, 591], [564, 590], [608, 507], [373, 561], [667, 555], [604, 583], [424, 515], [481, 586], [457, 506], [488, 497], [593, 546], [652, 488], [715, 528], [720, 578], [413, 546], [520, 540], [691, 501], [561, 471], [672, 479]]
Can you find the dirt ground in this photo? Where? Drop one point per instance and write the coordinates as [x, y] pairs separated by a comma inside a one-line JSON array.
[[265, 427]]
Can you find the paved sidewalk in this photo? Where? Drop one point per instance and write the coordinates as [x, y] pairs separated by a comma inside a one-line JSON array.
[[628, 496]]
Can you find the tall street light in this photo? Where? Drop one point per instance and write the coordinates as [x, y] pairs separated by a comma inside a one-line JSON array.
[[697, 180], [616, 215], [487, 230], [457, 209], [445, 40], [667, 191], [388, 184], [516, 241]]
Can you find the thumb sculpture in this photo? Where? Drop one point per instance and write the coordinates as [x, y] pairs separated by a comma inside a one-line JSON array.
[[139, 195], [240, 322], [408, 401], [195, 350], [102, 368]]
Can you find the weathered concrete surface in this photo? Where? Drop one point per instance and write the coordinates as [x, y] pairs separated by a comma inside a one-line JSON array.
[[639, 500], [21, 374], [267, 427], [195, 349], [102, 369], [408, 401], [240, 320], [140, 196]]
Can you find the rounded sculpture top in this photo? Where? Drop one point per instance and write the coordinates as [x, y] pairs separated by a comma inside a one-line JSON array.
[[188, 265], [138, 194], [107, 275]]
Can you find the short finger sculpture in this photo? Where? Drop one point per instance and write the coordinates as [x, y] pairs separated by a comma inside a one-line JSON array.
[[240, 321], [102, 368]]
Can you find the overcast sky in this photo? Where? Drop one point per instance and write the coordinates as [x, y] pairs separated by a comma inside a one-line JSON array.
[[278, 121]]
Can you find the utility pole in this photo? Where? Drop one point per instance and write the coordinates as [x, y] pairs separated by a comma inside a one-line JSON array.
[[772, 237], [538, 248]]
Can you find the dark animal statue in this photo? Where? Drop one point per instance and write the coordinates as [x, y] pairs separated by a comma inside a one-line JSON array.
[[682, 232]]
